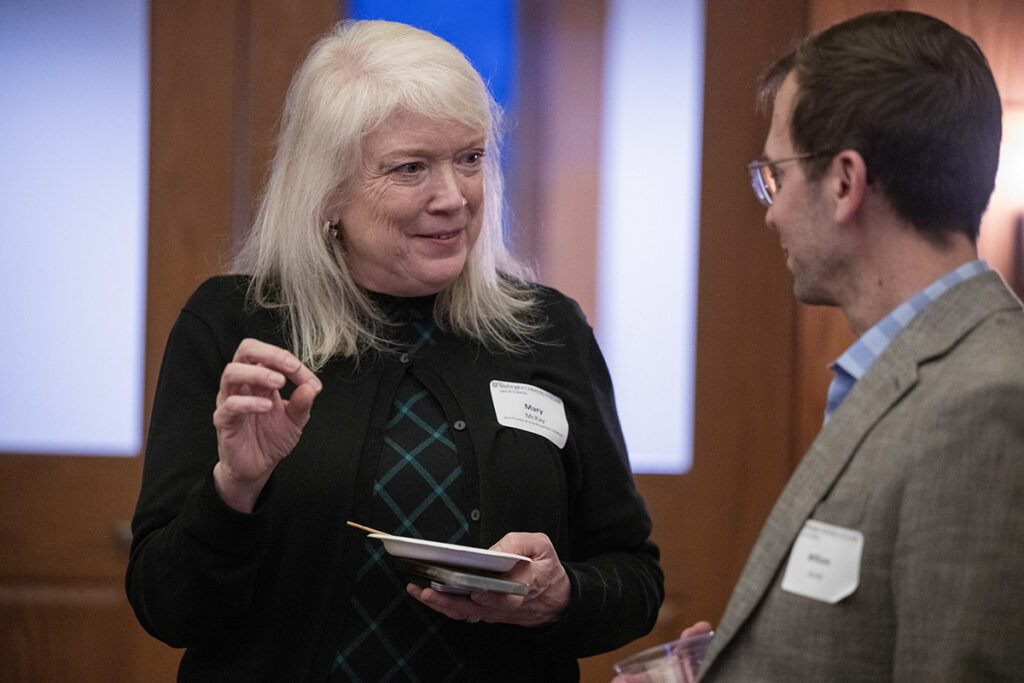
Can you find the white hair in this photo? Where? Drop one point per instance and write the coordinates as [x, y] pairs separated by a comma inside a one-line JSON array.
[[352, 79]]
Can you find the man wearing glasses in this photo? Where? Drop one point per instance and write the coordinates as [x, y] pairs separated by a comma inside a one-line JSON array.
[[896, 551]]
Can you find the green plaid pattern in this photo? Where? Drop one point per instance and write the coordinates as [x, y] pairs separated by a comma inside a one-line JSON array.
[[389, 636]]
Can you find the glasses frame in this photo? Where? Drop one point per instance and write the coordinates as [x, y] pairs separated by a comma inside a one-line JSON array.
[[764, 186]]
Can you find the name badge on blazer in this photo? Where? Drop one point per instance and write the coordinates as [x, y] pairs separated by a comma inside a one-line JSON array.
[[824, 563], [530, 408]]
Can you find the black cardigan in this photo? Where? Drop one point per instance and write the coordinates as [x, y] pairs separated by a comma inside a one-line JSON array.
[[262, 596]]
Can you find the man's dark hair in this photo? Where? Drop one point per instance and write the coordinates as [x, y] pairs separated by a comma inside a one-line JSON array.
[[917, 100]]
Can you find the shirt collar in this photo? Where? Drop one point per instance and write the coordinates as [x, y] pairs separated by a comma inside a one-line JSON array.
[[856, 360]]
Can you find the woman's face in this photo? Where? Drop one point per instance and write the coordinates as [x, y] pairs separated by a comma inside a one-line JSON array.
[[416, 205]]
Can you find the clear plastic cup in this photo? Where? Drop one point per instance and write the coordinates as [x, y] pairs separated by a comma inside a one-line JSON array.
[[674, 662]]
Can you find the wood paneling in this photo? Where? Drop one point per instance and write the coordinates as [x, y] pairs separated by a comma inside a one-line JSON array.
[[190, 179], [61, 517], [77, 632], [559, 152]]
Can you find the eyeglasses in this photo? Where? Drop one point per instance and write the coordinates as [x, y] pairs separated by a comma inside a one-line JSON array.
[[762, 176]]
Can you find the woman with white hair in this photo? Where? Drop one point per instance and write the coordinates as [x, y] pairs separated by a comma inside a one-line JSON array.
[[380, 356]]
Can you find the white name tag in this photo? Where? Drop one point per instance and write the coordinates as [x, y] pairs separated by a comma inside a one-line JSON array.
[[824, 563], [530, 408]]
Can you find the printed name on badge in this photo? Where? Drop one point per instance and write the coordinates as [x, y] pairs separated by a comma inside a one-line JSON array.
[[824, 563], [530, 408]]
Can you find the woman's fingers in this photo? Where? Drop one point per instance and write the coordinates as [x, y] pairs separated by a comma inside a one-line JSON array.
[[237, 406], [301, 402], [454, 607], [261, 369], [244, 379], [254, 352]]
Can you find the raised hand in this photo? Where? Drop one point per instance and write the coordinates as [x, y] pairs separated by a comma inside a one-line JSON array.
[[256, 428]]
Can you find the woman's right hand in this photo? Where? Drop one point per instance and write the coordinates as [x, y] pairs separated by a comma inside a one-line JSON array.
[[256, 428]]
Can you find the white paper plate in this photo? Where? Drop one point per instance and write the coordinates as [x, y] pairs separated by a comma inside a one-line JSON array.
[[449, 554]]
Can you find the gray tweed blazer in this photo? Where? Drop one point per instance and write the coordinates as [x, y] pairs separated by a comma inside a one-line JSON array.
[[925, 457]]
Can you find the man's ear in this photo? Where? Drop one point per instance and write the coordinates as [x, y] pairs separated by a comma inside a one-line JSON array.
[[848, 183]]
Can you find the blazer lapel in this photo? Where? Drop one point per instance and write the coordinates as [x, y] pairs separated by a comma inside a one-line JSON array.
[[819, 469]]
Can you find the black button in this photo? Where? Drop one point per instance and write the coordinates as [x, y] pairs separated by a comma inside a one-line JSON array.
[[474, 514], [459, 425], [404, 358]]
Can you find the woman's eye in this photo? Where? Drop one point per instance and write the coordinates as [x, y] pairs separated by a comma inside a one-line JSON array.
[[472, 161], [411, 168]]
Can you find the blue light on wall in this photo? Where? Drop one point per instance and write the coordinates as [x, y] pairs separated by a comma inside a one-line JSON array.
[[486, 31]]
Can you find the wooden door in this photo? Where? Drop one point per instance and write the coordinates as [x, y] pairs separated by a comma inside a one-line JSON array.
[[219, 71], [63, 611]]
